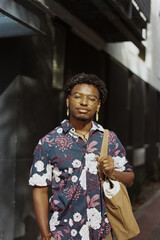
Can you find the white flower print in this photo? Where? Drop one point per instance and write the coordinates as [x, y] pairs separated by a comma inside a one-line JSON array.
[[49, 171], [70, 170], [74, 178], [82, 179], [76, 163], [70, 222], [39, 165], [84, 232], [59, 130], [54, 221], [73, 232], [77, 217], [106, 220], [56, 174], [57, 179], [39, 180], [119, 163], [91, 163], [94, 218], [65, 220]]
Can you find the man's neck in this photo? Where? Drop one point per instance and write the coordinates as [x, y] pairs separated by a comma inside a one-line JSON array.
[[80, 125]]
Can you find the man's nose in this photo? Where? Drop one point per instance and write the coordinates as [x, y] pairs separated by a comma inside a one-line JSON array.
[[84, 100]]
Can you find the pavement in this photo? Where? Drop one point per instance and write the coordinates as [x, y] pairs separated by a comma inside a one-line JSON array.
[[148, 219]]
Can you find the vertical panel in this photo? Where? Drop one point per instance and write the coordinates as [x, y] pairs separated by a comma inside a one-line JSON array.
[[8, 140], [152, 115], [7, 198], [152, 163], [158, 120], [116, 107], [137, 111], [8, 115], [38, 113], [152, 155]]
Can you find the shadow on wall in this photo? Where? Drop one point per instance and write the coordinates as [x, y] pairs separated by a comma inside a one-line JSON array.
[[31, 229]]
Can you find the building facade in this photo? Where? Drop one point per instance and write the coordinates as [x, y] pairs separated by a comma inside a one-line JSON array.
[[42, 44]]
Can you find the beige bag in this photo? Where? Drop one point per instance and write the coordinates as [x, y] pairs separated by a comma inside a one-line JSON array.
[[118, 207]]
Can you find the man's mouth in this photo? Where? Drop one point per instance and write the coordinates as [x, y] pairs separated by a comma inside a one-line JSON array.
[[82, 110]]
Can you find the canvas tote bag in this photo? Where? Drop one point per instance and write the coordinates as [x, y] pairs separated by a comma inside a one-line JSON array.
[[118, 205]]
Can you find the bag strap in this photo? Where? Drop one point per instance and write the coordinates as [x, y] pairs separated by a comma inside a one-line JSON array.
[[104, 147], [104, 151]]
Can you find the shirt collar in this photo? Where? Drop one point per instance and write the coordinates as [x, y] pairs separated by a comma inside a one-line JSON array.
[[67, 126], [96, 127]]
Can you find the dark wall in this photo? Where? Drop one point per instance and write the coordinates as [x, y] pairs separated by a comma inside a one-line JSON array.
[[81, 57], [152, 134], [9, 67], [158, 117], [38, 113], [152, 115], [116, 118], [29, 108], [137, 110]]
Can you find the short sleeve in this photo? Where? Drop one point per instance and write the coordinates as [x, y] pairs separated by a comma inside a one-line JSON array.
[[41, 169], [118, 153]]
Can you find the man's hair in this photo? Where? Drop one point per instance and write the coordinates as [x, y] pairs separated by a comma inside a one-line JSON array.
[[90, 79]]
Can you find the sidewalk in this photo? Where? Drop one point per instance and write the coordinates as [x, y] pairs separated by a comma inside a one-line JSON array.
[[148, 218]]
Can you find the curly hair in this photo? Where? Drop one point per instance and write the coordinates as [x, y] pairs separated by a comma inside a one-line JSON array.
[[90, 79]]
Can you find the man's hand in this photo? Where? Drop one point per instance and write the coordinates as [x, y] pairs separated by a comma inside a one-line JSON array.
[[106, 164], [48, 237]]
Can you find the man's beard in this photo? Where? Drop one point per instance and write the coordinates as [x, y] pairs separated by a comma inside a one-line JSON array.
[[84, 119]]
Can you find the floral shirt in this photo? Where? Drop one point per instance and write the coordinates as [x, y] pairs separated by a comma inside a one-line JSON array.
[[64, 161]]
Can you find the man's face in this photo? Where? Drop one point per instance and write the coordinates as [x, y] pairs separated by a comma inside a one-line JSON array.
[[83, 102]]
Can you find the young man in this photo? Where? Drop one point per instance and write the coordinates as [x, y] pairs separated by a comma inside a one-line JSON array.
[[67, 159]]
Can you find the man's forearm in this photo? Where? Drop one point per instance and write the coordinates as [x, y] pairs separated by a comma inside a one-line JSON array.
[[106, 164], [125, 177], [40, 200]]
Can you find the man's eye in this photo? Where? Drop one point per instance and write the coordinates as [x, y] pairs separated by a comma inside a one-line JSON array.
[[77, 96], [92, 99]]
